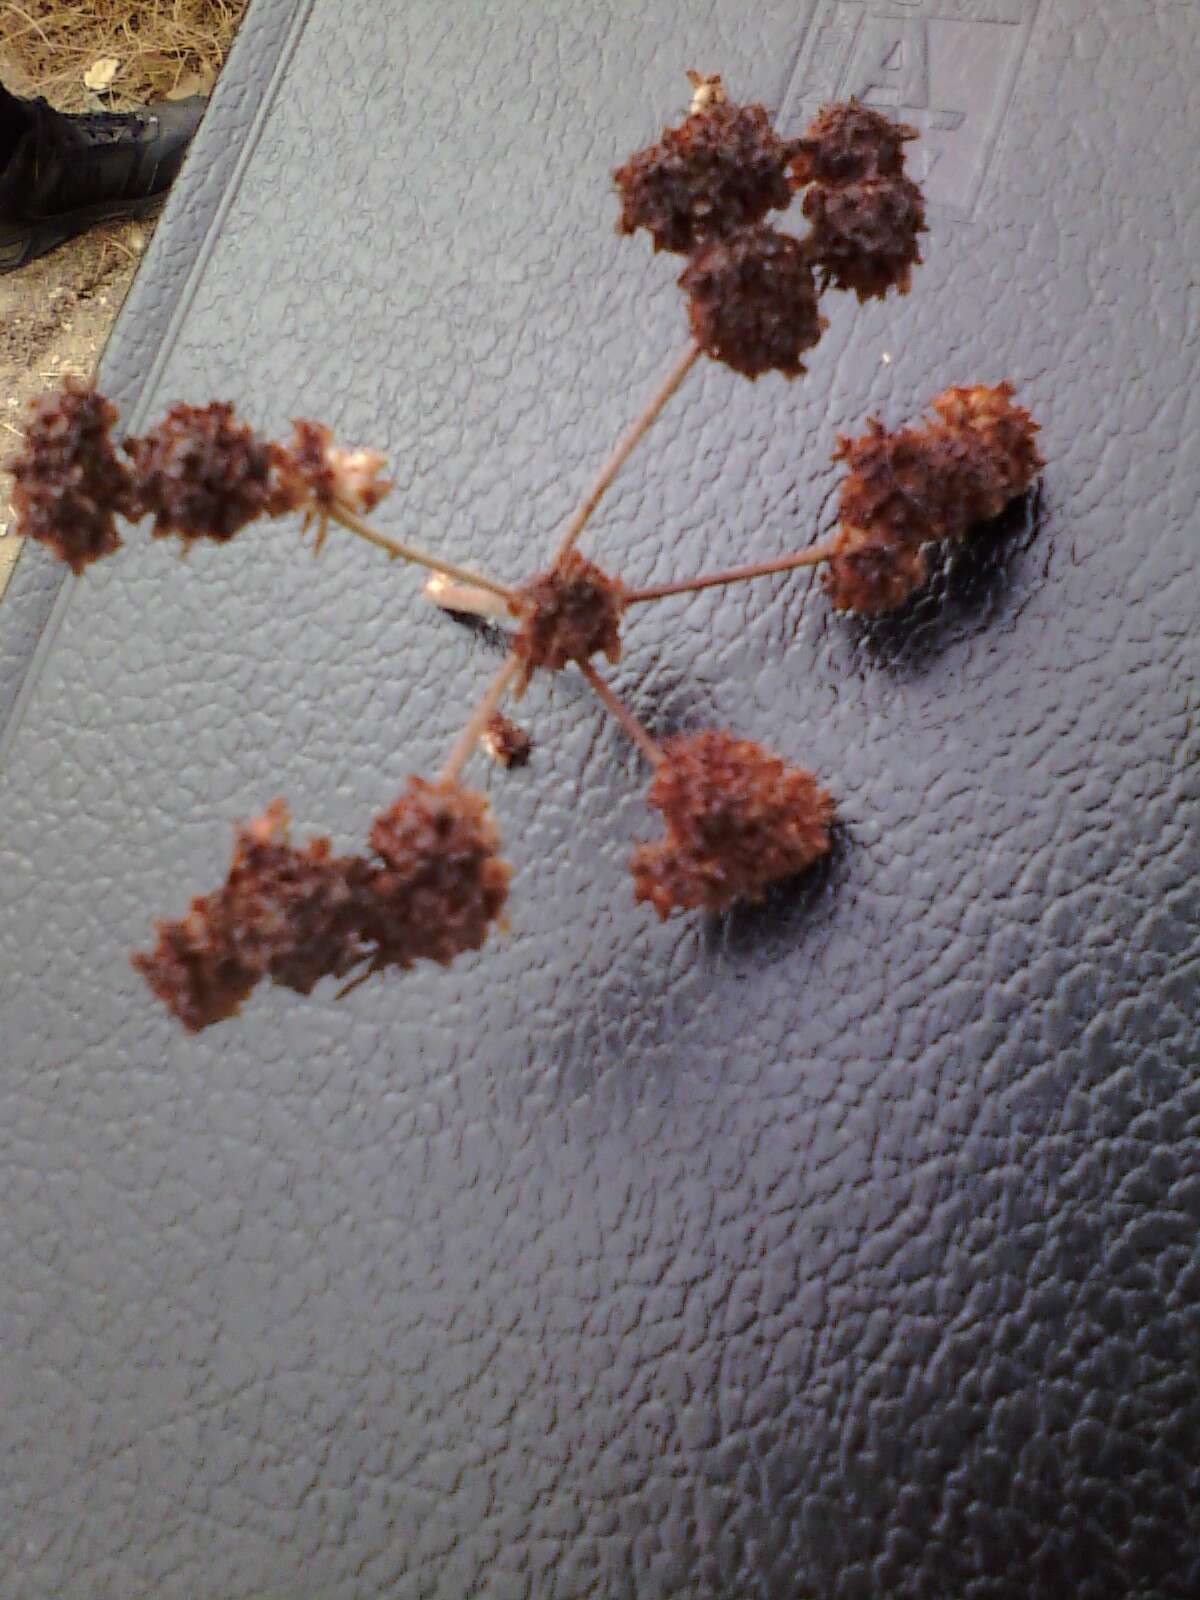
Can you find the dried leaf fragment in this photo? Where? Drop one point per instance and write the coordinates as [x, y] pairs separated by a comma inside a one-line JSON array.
[[100, 74]]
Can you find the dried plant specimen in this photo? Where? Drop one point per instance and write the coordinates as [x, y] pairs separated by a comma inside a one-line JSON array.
[[864, 235], [918, 486], [70, 485], [738, 820], [848, 142], [201, 473], [722, 168], [311, 470], [505, 742], [288, 914], [442, 883], [872, 575], [913, 485], [294, 916], [1006, 430], [753, 301], [570, 613]]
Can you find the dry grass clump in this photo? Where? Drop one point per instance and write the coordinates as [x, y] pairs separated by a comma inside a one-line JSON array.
[[161, 46]]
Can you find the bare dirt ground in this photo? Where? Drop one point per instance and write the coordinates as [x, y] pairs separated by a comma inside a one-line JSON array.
[[56, 314]]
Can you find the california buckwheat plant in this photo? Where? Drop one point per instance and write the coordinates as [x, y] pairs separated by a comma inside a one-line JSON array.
[[738, 818]]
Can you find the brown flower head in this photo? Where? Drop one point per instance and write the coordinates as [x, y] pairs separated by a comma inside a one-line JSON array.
[[864, 235], [295, 913], [283, 913], [442, 884], [848, 142], [194, 968], [69, 482], [753, 301], [738, 820], [913, 485], [505, 742], [723, 167], [917, 486], [202, 473], [872, 574], [1006, 431], [570, 613], [311, 471]]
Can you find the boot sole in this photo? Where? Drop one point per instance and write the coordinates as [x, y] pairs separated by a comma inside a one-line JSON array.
[[22, 243]]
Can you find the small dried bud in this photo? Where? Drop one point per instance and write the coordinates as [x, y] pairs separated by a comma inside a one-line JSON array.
[[848, 142], [1006, 431], [706, 91], [738, 820], [864, 235], [69, 482], [202, 473], [723, 167], [312, 471], [753, 301], [872, 575], [570, 613], [442, 884], [283, 913], [506, 743]]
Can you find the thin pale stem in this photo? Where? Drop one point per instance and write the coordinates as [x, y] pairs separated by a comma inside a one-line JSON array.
[[617, 707], [467, 740], [408, 552], [758, 569], [465, 598], [624, 448]]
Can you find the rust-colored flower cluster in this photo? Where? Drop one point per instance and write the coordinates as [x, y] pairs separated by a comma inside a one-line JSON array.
[[201, 474], [705, 187], [866, 213], [914, 487], [432, 890], [752, 301], [737, 817], [69, 483], [738, 820], [723, 168], [569, 613], [442, 883]]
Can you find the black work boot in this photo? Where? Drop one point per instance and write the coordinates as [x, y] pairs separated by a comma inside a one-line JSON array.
[[65, 173]]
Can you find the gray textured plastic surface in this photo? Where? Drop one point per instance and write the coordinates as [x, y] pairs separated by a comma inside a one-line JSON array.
[[845, 1249]]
